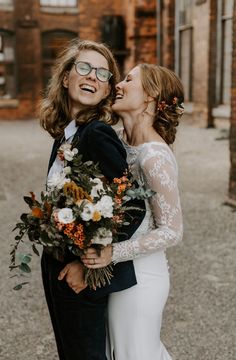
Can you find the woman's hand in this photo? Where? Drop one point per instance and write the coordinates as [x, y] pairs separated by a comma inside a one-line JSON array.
[[73, 273], [93, 261]]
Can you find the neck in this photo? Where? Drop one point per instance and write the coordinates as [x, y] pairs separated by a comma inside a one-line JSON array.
[[138, 128]]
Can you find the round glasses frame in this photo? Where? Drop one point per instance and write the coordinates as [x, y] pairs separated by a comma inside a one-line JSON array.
[[101, 73]]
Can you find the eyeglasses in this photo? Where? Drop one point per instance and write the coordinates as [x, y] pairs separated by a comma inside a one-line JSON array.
[[84, 68]]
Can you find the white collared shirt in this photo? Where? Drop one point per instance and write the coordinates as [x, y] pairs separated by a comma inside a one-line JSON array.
[[69, 133]]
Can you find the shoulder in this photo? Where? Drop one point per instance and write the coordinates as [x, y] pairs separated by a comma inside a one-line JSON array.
[[98, 125], [97, 128], [156, 154]]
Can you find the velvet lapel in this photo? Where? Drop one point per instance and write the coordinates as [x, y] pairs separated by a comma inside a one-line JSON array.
[[75, 141], [55, 147]]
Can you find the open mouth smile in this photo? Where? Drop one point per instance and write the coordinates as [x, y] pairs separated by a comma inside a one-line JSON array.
[[119, 96], [88, 88]]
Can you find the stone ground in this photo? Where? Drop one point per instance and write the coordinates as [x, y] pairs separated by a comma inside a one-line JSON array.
[[199, 322]]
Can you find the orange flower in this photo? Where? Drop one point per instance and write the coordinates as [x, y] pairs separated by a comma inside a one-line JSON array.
[[117, 180], [37, 212], [76, 233], [124, 179], [121, 188], [96, 216], [79, 236]]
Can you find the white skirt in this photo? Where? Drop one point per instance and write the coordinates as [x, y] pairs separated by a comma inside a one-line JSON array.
[[135, 314]]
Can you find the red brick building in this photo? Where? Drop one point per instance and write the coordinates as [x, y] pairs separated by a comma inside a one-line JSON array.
[[32, 32], [196, 38], [192, 37], [196, 41]]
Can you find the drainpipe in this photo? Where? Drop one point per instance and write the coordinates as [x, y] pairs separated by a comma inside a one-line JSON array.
[[159, 30]]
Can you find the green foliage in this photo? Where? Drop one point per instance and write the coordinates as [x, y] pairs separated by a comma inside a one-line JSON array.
[[81, 188], [25, 268]]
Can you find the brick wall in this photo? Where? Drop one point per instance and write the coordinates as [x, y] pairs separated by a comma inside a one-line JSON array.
[[166, 29], [232, 180], [29, 23], [90, 17], [145, 34]]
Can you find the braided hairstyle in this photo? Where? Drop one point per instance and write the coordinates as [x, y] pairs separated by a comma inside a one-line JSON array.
[[167, 90]]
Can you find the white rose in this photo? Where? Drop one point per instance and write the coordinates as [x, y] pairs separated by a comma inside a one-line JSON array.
[[69, 154], [98, 188], [105, 206], [88, 210], [65, 216], [64, 147], [102, 237], [57, 180]]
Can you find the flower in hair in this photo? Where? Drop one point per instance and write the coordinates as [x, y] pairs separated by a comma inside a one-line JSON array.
[[179, 108], [175, 106], [162, 106]]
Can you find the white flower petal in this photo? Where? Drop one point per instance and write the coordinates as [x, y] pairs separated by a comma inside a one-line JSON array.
[[65, 216]]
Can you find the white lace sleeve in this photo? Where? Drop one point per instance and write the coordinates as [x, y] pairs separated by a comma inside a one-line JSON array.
[[157, 167]]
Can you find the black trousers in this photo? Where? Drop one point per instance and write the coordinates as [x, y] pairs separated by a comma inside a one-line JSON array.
[[79, 322]]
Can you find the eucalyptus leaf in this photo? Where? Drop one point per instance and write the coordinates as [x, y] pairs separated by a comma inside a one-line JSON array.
[[35, 250], [24, 218], [25, 268], [25, 259], [88, 163], [28, 201], [19, 286]]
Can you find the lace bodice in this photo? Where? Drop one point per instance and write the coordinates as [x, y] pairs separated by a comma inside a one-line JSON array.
[[154, 164]]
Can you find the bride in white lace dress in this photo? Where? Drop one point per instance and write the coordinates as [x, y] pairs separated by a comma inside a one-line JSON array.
[[149, 103]]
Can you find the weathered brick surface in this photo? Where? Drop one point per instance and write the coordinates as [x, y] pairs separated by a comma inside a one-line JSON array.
[[145, 34], [167, 31], [29, 23]]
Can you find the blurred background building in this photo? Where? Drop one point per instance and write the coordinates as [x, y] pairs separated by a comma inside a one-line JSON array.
[[195, 38]]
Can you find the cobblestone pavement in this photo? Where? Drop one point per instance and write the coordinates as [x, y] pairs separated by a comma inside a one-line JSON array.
[[199, 322]]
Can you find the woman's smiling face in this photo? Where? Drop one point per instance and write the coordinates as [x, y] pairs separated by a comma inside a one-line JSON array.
[[86, 90], [130, 94]]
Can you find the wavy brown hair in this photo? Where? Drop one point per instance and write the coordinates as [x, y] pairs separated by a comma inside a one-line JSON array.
[[166, 88], [54, 111]]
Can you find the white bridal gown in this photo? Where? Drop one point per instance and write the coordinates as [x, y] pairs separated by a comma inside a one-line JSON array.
[[135, 314]]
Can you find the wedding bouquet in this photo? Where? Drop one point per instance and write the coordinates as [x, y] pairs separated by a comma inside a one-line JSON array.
[[79, 209]]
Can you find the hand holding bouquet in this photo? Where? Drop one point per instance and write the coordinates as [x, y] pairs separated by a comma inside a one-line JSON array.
[[80, 209]]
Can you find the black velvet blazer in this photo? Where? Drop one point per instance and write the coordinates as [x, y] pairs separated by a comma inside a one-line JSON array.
[[99, 143]]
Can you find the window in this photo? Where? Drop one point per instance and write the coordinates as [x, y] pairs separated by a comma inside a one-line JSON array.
[[7, 67], [224, 51], [184, 44], [52, 43], [185, 12], [64, 3], [6, 4]]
